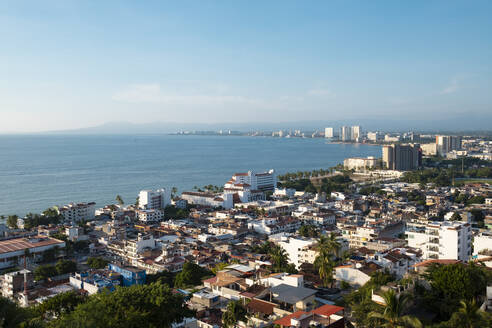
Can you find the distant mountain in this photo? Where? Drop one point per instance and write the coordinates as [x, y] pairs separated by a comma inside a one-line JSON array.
[[446, 124]]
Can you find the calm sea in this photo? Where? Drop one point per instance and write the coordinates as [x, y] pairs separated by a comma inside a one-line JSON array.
[[37, 172]]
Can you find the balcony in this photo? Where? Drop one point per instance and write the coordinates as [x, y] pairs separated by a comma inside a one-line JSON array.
[[434, 241]]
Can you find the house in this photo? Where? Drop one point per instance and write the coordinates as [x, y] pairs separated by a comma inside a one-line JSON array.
[[293, 298], [326, 316]]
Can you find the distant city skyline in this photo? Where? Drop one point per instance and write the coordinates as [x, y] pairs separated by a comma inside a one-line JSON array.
[[75, 64]]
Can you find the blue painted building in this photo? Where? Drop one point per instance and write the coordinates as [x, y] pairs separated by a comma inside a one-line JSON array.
[[130, 275]]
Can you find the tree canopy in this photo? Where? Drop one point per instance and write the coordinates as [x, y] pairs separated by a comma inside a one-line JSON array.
[[191, 275], [153, 305]]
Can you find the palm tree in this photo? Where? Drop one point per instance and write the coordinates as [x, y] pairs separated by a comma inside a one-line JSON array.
[[394, 307], [328, 244], [279, 258], [174, 191], [325, 268], [469, 314], [120, 200]]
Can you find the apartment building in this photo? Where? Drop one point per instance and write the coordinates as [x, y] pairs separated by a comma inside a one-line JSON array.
[[154, 200], [442, 240], [294, 247], [357, 163], [482, 245], [13, 282], [264, 181], [78, 212], [224, 200], [328, 132], [402, 157], [151, 215], [445, 144]]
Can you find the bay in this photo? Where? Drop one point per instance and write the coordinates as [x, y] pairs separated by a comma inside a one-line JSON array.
[[39, 171]]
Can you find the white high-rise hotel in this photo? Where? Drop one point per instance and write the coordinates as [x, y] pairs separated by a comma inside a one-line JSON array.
[[149, 199], [450, 240], [257, 181], [350, 133], [328, 132]]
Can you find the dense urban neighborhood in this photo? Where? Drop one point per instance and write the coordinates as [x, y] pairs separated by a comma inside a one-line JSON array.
[[404, 240]]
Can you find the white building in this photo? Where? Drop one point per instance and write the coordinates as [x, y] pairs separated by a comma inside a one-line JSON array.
[[482, 245], [286, 192], [328, 132], [442, 240], [224, 200], [294, 247], [264, 181], [356, 133], [149, 199], [345, 133], [153, 215], [429, 149], [78, 212], [373, 136], [358, 163]]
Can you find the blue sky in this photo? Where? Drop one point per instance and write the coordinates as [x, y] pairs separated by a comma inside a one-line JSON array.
[[70, 64]]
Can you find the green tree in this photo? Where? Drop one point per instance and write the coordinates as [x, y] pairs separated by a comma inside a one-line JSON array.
[[153, 305], [308, 230], [120, 200], [393, 314], [279, 257], [468, 315], [234, 312], [97, 262], [60, 304], [219, 266], [191, 275], [455, 217], [328, 245], [325, 267], [44, 271], [452, 283], [65, 266], [12, 221], [11, 314]]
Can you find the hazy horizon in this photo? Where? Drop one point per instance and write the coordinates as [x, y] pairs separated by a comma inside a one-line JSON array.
[[80, 64]]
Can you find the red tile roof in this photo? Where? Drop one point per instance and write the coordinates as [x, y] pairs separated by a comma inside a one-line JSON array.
[[429, 262], [285, 321], [327, 310]]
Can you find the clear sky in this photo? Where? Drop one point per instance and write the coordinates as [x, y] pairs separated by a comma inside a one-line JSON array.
[[70, 64]]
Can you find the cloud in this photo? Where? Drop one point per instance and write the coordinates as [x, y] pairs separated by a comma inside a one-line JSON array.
[[452, 87], [321, 92], [153, 93]]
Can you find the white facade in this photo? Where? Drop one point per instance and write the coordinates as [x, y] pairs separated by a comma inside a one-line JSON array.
[[149, 199], [294, 248], [351, 274], [286, 192], [481, 244], [152, 215], [199, 198], [356, 133], [264, 181], [373, 136], [442, 240], [78, 212], [328, 132], [358, 163]]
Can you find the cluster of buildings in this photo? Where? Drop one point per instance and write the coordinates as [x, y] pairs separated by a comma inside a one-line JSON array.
[[400, 230]]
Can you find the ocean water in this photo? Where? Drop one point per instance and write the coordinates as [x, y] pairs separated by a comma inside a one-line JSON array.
[[37, 172]]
